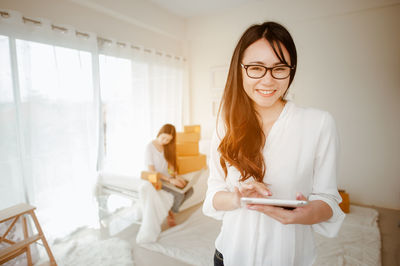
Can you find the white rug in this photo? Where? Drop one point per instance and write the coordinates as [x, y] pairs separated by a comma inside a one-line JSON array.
[[91, 251], [358, 242]]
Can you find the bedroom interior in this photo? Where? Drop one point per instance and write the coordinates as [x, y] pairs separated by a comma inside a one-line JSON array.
[[84, 84]]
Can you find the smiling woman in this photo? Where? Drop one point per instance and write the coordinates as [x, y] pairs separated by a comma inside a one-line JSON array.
[[270, 148]]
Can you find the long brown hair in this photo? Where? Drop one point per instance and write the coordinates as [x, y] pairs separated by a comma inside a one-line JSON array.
[[244, 139], [170, 148]]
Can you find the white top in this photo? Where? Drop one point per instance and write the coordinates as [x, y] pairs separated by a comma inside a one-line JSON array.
[[301, 156], [156, 158]]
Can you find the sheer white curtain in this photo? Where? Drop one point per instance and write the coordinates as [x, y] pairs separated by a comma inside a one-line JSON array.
[[48, 119], [11, 185], [141, 90]]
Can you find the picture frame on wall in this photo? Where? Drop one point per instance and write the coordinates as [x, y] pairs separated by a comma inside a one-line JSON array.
[[215, 102], [218, 76]]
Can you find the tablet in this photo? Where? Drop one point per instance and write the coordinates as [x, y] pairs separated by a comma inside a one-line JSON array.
[[289, 204]]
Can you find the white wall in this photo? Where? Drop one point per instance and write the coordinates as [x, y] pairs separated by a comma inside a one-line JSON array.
[[348, 64]]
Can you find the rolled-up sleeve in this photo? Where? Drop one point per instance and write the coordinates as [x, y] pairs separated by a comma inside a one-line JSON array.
[[216, 180], [325, 171]]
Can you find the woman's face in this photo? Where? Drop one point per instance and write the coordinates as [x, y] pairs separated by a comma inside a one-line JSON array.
[[164, 138], [266, 91]]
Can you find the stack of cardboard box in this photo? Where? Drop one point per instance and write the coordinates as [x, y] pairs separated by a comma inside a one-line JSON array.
[[187, 150]]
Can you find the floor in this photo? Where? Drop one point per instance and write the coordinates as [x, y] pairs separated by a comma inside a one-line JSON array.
[[389, 225]]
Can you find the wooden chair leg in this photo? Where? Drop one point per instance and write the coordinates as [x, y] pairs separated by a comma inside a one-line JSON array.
[[28, 250], [43, 238]]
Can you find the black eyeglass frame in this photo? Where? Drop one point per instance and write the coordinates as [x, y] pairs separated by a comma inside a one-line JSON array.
[[266, 70]]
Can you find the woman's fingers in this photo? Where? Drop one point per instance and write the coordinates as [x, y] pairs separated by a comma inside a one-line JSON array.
[[179, 182], [244, 187], [262, 189], [300, 196], [182, 183], [278, 213], [300, 215], [254, 189], [176, 182]]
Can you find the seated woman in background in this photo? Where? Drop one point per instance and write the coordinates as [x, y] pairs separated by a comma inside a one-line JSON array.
[[161, 157]]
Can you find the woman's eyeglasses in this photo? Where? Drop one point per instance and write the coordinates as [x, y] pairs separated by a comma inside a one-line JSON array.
[[259, 71]]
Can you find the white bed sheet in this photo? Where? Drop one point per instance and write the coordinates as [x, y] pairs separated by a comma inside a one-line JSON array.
[[191, 242], [358, 242]]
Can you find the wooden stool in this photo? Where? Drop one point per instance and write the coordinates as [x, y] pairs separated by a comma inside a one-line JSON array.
[[17, 248]]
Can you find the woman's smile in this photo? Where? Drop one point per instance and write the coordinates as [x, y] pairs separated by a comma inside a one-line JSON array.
[[266, 93]]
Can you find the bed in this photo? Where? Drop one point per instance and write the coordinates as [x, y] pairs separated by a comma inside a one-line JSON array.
[[192, 242]]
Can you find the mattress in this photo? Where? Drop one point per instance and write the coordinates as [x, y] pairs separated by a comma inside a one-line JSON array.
[[358, 241]]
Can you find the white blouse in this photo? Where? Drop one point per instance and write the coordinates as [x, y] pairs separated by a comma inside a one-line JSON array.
[[300, 156], [156, 158]]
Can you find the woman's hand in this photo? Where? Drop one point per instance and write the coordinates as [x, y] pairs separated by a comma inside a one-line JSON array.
[[314, 212], [251, 189], [178, 182], [227, 201], [182, 181], [254, 189]]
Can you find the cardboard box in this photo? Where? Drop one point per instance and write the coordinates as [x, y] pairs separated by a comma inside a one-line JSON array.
[[153, 178], [345, 204], [187, 164], [192, 129], [182, 137], [187, 149], [147, 175]]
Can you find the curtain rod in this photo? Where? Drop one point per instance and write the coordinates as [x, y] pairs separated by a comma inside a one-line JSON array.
[[86, 35]]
